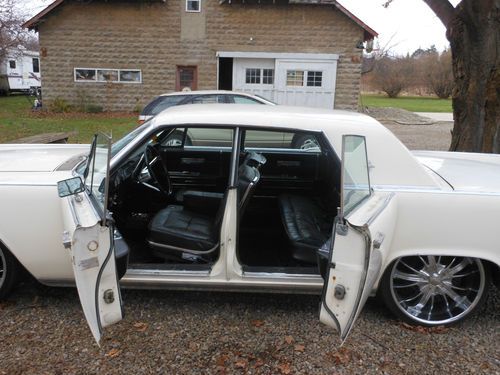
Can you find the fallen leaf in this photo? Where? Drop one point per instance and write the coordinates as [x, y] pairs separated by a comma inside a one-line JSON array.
[[258, 363], [284, 368], [299, 348], [140, 326], [257, 323], [241, 363], [221, 360], [289, 339], [424, 330], [341, 356], [113, 353]]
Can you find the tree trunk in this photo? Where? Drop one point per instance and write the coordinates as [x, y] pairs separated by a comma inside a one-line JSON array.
[[474, 35]]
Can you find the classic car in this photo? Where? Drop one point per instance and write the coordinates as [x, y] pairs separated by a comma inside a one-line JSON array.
[[354, 216]]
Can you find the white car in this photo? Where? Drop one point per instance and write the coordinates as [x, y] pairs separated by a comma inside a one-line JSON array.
[[165, 101], [357, 210]]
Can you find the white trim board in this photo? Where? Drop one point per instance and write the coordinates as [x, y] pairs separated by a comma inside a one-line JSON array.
[[279, 55]]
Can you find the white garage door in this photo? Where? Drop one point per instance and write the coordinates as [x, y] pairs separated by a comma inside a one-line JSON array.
[[305, 83], [286, 78]]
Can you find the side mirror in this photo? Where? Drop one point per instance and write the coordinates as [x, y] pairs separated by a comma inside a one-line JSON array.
[[71, 186]]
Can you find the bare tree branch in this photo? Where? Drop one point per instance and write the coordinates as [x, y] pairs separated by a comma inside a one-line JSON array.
[[443, 9]]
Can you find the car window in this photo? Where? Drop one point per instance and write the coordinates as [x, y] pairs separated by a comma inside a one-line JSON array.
[[239, 99], [355, 173], [298, 141], [207, 99], [161, 103], [199, 137]]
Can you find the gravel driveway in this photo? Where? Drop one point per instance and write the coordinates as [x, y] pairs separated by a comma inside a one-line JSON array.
[[43, 331]]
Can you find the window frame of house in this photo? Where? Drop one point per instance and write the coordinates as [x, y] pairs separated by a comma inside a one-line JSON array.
[[315, 74], [37, 65], [294, 78], [96, 79], [193, 2], [261, 78], [178, 69], [11, 63]]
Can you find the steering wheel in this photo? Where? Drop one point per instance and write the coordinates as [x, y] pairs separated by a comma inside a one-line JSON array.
[[157, 168]]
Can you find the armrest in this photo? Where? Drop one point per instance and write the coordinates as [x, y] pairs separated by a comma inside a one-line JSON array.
[[202, 201]]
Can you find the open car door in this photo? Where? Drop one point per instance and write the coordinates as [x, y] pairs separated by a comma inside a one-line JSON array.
[[351, 261], [88, 236]]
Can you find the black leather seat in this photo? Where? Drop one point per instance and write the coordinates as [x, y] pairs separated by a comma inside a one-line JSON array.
[[307, 225], [186, 232]]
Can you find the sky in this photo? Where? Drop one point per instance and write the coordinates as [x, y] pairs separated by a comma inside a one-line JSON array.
[[404, 26]]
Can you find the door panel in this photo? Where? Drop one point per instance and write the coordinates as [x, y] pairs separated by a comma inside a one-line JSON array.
[[355, 257], [88, 236], [198, 168], [297, 171]]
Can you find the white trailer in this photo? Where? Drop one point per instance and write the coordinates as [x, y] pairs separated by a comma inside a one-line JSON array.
[[20, 71]]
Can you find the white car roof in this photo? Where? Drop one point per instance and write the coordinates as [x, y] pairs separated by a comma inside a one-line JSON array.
[[206, 92], [392, 163]]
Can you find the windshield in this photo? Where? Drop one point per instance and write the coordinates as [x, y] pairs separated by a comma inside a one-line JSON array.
[[127, 138]]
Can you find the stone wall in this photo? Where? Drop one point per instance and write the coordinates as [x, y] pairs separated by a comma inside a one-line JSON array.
[[157, 37]]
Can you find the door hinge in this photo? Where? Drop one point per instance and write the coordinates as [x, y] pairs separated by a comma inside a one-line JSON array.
[[341, 227], [66, 240]]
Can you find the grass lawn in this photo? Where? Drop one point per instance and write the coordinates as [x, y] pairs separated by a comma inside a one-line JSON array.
[[17, 121], [410, 103]]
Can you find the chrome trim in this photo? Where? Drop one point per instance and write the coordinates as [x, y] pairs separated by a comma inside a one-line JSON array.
[[416, 189], [153, 272], [197, 252], [275, 275], [25, 184], [73, 211], [381, 208]]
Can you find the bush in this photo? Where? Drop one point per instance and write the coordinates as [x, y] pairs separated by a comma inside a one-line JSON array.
[[59, 105], [440, 74], [93, 108], [392, 75]]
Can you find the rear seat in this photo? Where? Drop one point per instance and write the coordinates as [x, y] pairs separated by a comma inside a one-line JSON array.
[[307, 224]]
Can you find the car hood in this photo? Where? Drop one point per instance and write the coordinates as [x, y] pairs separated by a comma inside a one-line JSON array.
[[464, 171], [37, 158]]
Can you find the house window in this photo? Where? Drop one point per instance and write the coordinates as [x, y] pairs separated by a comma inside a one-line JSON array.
[[314, 79], [36, 65], [295, 78], [131, 76], [12, 64], [186, 78], [267, 76], [255, 76], [193, 5], [108, 75], [252, 76]]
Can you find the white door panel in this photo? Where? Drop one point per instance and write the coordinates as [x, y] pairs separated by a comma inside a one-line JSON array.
[[356, 253], [88, 236]]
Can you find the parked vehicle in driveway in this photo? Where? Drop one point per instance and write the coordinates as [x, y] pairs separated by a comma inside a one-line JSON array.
[[162, 102], [358, 214]]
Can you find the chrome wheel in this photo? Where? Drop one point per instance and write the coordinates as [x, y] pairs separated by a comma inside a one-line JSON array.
[[437, 290]]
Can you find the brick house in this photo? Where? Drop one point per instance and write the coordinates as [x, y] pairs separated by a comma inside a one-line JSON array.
[[123, 53]]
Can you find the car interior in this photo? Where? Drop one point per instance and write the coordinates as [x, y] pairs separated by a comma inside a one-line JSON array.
[[168, 199]]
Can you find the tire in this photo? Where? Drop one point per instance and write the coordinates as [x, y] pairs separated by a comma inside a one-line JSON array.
[[305, 142], [9, 272], [434, 290]]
